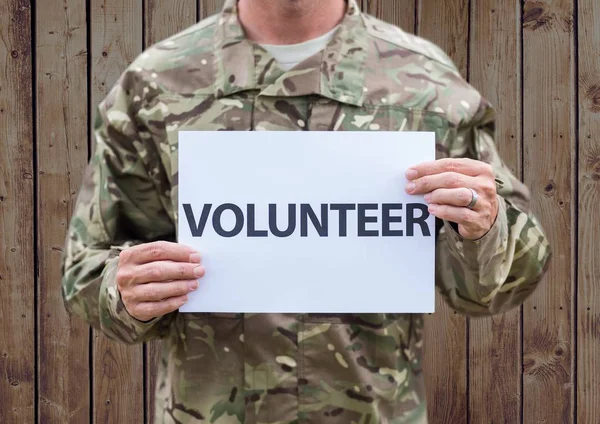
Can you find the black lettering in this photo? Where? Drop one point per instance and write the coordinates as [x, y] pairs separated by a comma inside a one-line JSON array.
[[387, 219], [239, 220], [411, 220], [196, 229], [363, 219], [306, 211], [273, 221], [252, 231], [319, 223], [343, 208]]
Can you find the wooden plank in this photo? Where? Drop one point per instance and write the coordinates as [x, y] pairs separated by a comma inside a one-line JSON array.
[[445, 363], [17, 279], [495, 343], [152, 354], [62, 155], [208, 7], [549, 146], [588, 312], [116, 28], [162, 20], [397, 12]]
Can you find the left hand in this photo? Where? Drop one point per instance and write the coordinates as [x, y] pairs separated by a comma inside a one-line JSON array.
[[446, 183]]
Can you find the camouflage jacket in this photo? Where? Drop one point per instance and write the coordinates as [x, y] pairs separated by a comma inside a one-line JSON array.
[[287, 368]]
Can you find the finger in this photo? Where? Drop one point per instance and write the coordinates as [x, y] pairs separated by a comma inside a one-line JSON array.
[[161, 271], [160, 251], [145, 311], [460, 197], [155, 292], [430, 183], [459, 215], [461, 166]]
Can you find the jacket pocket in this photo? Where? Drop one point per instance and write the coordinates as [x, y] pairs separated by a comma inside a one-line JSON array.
[[331, 116]]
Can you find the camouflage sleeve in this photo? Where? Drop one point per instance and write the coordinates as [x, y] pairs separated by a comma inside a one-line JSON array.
[[498, 271], [118, 205]]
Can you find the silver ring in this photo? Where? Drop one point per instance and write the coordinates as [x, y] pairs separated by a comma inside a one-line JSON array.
[[474, 199]]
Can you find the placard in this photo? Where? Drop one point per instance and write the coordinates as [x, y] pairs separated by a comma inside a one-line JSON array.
[[306, 222]]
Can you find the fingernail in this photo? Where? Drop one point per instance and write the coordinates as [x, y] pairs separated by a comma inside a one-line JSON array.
[[411, 174], [432, 208], [199, 271], [410, 187], [428, 198], [193, 285], [195, 258]]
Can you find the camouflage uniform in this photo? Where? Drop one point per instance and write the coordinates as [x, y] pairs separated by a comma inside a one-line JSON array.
[[287, 368]]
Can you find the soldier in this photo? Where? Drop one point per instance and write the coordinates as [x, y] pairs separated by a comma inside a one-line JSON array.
[[301, 65]]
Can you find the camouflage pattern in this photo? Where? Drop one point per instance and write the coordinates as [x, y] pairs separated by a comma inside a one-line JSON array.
[[283, 368]]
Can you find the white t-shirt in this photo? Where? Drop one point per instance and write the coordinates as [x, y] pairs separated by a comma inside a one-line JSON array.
[[289, 55]]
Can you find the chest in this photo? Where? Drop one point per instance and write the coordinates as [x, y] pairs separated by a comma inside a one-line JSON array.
[[249, 111]]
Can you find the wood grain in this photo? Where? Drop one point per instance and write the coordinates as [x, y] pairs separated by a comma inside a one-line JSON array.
[[118, 390], [164, 19], [17, 266], [495, 343], [446, 23], [161, 21], [445, 364], [563, 180], [209, 7], [397, 12], [549, 154], [588, 311], [62, 155]]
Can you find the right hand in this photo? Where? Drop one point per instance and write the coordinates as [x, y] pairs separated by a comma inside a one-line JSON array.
[[155, 278]]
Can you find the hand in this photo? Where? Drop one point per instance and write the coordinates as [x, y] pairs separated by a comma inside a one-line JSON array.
[[446, 184], [155, 278]]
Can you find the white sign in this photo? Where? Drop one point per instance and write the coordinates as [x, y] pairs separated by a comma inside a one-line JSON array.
[[299, 222]]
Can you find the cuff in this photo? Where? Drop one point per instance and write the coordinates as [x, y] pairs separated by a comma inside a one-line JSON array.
[[115, 319], [476, 254]]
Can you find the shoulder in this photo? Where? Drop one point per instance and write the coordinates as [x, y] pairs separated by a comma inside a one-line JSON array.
[[395, 37], [405, 70], [170, 51], [180, 64]]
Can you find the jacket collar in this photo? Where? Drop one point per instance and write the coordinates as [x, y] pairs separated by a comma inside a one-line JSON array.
[[337, 72]]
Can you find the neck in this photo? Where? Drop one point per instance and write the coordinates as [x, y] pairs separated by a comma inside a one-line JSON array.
[[289, 21]]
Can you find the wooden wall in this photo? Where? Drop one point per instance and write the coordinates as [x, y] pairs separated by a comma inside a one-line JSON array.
[[537, 61]]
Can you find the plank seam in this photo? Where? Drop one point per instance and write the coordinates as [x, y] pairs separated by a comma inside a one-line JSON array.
[[576, 124], [522, 178], [468, 320], [416, 23], [144, 18], [145, 345], [145, 380], [36, 259], [88, 22]]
